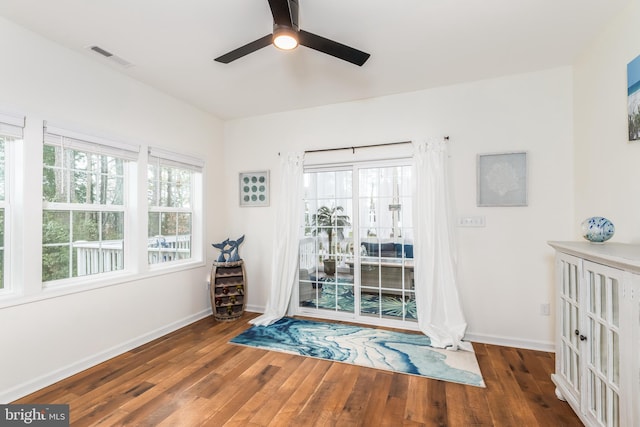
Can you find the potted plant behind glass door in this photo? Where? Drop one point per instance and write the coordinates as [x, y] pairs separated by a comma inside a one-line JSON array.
[[331, 221]]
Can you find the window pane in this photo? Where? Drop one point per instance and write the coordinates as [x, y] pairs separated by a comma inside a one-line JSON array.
[[86, 226], [55, 227], [174, 187], [54, 184], [82, 187], [170, 221], [71, 176], [154, 224], [80, 243], [113, 226], [184, 224], [55, 262]]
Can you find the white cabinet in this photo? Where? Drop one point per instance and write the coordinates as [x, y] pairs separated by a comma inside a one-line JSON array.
[[598, 331]]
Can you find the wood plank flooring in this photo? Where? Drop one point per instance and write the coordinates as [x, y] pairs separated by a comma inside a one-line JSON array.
[[193, 377]]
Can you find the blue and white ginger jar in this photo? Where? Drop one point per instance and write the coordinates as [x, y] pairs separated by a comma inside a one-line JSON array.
[[597, 229]]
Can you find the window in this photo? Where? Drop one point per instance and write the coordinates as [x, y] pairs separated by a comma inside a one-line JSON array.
[[11, 129], [84, 187], [173, 180]]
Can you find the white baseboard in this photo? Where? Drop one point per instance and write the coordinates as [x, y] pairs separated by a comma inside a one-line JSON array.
[[548, 346], [511, 342], [254, 309], [36, 384]]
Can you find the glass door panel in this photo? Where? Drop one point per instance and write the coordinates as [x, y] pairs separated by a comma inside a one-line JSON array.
[[386, 243], [325, 279]]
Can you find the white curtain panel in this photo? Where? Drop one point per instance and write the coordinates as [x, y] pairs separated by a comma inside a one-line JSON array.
[[284, 265], [438, 304]]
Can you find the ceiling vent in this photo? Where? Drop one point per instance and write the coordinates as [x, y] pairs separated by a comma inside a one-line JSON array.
[[110, 56]]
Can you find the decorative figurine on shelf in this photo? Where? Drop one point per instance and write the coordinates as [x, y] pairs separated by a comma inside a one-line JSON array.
[[223, 251], [228, 250]]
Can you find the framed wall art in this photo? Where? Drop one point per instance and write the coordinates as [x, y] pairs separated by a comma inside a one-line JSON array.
[[254, 188], [633, 98], [502, 179]]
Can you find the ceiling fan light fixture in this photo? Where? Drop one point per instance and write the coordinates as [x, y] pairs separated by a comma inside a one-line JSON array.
[[285, 38]]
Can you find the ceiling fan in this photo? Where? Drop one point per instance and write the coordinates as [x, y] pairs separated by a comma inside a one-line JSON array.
[[287, 35]]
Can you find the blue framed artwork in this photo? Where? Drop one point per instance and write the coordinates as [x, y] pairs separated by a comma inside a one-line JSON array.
[[633, 98], [254, 188]]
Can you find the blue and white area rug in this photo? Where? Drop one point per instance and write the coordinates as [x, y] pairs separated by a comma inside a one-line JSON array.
[[372, 348]]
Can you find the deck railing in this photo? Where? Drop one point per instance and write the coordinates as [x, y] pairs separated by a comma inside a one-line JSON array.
[[169, 248], [108, 255]]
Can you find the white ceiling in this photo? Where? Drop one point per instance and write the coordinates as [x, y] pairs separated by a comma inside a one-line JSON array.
[[414, 44]]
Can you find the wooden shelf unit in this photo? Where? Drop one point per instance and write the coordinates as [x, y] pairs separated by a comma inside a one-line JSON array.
[[228, 290]]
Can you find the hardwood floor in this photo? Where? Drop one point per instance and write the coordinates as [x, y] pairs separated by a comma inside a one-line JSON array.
[[194, 377]]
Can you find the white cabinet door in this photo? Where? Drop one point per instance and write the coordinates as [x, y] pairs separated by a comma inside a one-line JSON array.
[[568, 369], [600, 333]]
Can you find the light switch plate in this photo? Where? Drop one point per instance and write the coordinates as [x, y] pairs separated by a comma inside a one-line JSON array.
[[471, 221]]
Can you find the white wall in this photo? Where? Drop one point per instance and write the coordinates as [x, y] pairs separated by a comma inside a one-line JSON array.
[[506, 268], [606, 164], [44, 340]]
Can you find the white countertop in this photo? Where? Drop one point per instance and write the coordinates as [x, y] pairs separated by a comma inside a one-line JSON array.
[[625, 256]]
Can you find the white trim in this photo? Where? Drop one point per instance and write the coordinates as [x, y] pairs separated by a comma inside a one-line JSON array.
[[12, 119], [548, 346], [172, 158], [63, 287], [45, 380], [80, 139], [12, 125], [7, 225], [254, 308]]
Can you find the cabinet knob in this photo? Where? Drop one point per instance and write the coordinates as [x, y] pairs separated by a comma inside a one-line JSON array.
[[582, 337]]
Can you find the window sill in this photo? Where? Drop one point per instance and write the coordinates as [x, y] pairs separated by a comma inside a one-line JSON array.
[[71, 286]]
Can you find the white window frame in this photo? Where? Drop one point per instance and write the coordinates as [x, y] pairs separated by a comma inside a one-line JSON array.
[[67, 138], [11, 127], [159, 156]]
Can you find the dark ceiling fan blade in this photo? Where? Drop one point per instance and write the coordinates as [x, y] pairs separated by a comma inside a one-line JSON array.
[[332, 48], [281, 11], [246, 49]]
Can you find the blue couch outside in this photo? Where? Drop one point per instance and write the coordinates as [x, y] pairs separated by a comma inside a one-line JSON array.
[[388, 250]]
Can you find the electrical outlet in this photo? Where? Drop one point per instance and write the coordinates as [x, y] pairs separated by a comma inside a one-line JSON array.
[[545, 309]]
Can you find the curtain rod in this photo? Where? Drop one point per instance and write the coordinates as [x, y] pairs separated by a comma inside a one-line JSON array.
[[354, 148]]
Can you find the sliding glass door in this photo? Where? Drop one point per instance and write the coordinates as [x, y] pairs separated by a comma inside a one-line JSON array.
[[356, 256]]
